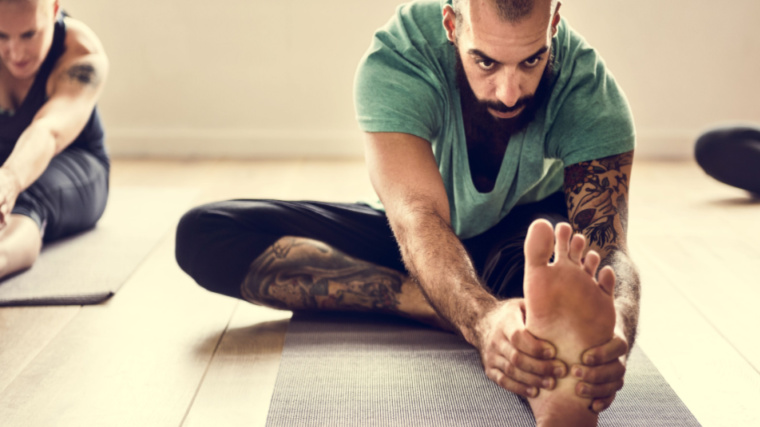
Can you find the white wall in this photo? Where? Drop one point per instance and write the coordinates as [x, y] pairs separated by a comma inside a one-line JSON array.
[[274, 77]]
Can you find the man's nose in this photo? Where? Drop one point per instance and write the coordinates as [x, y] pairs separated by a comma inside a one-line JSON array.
[[508, 87]]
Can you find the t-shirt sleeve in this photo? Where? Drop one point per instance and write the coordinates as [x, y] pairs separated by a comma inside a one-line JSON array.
[[397, 85], [589, 115]]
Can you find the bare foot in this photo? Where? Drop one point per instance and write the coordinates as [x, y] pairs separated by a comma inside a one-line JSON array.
[[567, 306]]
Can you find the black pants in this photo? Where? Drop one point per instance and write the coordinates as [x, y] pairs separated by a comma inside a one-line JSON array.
[[216, 243], [732, 156], [69, 197]]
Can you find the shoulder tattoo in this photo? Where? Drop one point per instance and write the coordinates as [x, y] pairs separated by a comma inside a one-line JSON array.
[[82, 73]]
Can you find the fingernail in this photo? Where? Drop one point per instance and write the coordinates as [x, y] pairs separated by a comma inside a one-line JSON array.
[[548, 353], [559, 371], [532, 391], [579, 373], [598, 407], [548, 383], [589, 360], [584, 390]]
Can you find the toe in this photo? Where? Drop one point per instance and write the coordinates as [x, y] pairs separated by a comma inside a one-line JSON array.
[[562, 245], [577, 246], [607, 280], [591, 263], [539, 243]]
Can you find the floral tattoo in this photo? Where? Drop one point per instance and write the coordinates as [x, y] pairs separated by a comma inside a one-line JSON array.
[[596, 195]]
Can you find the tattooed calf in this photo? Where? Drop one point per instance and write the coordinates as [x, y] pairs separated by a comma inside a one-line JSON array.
[[303, 274]]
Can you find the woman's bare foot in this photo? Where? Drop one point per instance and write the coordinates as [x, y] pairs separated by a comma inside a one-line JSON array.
[[567, 306]]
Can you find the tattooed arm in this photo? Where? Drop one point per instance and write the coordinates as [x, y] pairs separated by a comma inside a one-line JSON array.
[[597, 200], [73, 89]]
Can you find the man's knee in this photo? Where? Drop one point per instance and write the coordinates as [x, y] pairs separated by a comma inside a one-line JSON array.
[[216, 243], [731, 155], [195, 235]]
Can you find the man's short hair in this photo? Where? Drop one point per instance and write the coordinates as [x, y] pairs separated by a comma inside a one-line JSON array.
[[511, 11], [508, 10]]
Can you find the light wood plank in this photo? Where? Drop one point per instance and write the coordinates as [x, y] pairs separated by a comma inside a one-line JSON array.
[[136, 360], [239, 384], [24, 332], [714, 381]]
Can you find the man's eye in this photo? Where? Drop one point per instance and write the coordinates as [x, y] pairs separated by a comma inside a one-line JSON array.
[[532, 62], [485, 64]]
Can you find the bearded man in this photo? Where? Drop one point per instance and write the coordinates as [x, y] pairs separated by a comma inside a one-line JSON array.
[[493, 131]]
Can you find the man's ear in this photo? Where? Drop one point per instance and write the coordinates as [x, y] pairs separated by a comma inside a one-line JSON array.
[[450, 23], [556, 19]]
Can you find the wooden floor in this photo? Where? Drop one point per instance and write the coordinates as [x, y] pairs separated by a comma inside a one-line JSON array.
[[164, 352]]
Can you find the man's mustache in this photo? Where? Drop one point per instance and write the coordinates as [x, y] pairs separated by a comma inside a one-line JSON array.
[[500, 107]]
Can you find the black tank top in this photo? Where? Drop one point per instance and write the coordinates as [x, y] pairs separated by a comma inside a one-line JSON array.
[[92, 136]]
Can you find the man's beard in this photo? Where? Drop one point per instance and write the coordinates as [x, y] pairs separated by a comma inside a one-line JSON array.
[[479, 120]]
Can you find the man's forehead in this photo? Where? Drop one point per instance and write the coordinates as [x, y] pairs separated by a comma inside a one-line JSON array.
[[501, 40]]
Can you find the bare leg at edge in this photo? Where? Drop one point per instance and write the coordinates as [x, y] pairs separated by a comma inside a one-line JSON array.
[[20, 244]]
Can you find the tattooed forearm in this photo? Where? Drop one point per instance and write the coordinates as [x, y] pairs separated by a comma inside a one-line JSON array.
[[596, 195], [303, 274], [83, 73]]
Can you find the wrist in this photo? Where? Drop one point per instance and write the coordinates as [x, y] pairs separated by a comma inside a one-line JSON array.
[[11, 179], [482, 327]]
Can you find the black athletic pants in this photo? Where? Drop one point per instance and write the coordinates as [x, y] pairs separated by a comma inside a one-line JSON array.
[[216, 243], [732, 156], [69, 197]]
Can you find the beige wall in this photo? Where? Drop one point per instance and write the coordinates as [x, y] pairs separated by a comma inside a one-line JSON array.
[[274, 77]]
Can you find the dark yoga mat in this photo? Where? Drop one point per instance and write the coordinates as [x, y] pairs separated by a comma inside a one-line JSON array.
[[350, 370], [90, 267]]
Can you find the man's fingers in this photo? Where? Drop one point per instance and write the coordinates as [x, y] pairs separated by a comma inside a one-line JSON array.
[[605, 353], [543, 368], [598, 391], [513, 371], [507, 383], [599, 405], [524, 341], [599, 374]]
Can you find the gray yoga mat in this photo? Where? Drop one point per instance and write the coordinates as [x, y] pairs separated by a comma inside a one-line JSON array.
[[351, 370], [90, 267]]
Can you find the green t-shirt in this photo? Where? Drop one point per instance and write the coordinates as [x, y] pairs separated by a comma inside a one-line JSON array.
[[406, 83]]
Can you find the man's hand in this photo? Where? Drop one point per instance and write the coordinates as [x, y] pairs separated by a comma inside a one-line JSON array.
[[9, 191], [601, 375], [512, 357]]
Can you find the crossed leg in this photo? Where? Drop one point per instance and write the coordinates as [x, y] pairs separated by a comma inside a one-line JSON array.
[[297, 273], [567, 306]]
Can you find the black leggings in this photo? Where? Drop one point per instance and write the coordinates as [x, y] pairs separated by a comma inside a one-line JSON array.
[[732, 156], [216, 243], [69, 197]]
